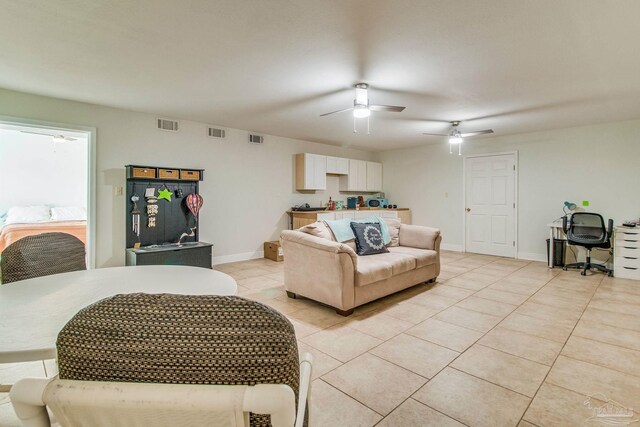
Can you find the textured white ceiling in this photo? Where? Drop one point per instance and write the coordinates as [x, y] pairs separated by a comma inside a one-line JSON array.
[[274, 66]]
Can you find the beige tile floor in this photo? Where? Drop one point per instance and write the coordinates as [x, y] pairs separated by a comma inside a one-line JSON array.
[[495, 342]]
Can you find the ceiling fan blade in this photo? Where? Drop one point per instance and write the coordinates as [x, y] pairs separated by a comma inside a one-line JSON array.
[[435, 134], [35, 133], [391, 108], [66, 138], [480, 132], [337, 111]]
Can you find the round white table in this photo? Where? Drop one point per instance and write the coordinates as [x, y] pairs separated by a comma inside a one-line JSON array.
[[33, 311]]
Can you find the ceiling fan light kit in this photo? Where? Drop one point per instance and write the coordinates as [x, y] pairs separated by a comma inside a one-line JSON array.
[[457, 138], [361, 107], [361, 111]]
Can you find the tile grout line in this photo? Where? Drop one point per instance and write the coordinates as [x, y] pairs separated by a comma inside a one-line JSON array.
[[428, 379], [560, 352], [438, 312]]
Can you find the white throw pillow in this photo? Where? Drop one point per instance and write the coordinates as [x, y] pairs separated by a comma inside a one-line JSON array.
[[68, 213], [28, 214]]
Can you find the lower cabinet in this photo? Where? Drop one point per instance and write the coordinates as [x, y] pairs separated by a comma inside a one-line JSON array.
[[300, 219], [197, 254]]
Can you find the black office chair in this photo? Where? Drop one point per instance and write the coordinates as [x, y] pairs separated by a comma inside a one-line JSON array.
[[588, 230]]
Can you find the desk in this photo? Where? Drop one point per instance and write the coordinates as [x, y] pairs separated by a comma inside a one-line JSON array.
[[555, 232], [33, 311]]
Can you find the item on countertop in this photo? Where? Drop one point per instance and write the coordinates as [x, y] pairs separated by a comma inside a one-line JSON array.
[[631, 224], [361, 202], [376, 202], [135, 215], [352, 202], [331, 205], [369, 238], [339, 205], [165, 194]]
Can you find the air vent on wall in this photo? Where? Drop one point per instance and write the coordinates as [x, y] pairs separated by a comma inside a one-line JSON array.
[[166, 124], [216, 133], [256, 139]]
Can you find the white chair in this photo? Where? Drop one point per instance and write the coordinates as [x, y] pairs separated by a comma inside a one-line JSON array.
[[98, 404]]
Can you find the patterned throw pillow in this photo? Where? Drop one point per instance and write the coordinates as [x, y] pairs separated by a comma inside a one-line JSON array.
[[369, 239]]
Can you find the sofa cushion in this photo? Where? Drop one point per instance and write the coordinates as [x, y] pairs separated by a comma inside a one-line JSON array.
[[423, 257], [393, 225], [378, 267], [370, 269], [318, 229]]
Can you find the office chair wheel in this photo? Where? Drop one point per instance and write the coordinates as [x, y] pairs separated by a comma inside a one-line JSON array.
[[564, 268], [583, 273]]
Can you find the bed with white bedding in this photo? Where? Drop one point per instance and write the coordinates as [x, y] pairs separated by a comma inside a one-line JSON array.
[[23, 221]]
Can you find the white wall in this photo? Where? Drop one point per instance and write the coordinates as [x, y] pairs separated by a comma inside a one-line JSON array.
[[247, 188], [34, 171], [599, 163]]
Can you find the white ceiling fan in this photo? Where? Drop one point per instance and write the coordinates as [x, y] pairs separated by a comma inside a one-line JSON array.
[[56, 137], [456, 137], [361, 107]]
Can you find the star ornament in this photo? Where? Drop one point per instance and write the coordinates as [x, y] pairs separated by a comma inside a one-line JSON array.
[[164, 194]]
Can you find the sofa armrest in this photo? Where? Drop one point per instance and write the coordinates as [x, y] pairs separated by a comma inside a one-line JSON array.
[[319, 269], [318, 243], [418, 236]]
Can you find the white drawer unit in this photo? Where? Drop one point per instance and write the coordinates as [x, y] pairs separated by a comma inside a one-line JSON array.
[[626, 262], [388, 214], [327, 216]]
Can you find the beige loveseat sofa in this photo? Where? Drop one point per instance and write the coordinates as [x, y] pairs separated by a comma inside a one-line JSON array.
[[324, 270]]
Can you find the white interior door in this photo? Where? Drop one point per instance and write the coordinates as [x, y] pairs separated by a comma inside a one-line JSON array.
[[490, 205]]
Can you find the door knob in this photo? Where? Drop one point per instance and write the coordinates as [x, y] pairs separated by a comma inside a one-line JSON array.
[[468, 209]]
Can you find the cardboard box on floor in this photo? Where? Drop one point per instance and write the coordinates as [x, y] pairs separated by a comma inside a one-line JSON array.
[[273, 251]]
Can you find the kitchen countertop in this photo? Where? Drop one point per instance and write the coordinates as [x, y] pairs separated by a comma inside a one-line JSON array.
[[348, 210]]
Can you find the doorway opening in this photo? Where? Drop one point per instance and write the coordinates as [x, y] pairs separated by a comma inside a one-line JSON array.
[[46, 181], [490, 204]]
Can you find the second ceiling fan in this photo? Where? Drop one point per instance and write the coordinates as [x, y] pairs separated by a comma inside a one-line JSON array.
[[362, 108], [456, 137]]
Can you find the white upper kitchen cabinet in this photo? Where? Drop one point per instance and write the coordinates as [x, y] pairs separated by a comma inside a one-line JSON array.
[[337, 165], [311, 172], [357, 178], [374, 176]]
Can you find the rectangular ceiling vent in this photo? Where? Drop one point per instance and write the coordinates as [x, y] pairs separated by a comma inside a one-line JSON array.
[[166, 124], [216, 133], [256, 139]]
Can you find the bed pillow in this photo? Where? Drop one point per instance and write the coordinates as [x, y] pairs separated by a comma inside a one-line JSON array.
[[28, 214], [68, 213], [369, 238]]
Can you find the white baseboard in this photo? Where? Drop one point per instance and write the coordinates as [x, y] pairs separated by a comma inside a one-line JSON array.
[[451, 247], [237, 257], [531, 256]]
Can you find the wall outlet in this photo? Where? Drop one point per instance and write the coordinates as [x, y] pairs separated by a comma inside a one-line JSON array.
[[585, 203], [117, 191]]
